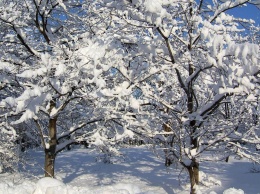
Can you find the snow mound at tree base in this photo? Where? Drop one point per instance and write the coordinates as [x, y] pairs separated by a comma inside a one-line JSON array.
[[233, 191], [49, 185]]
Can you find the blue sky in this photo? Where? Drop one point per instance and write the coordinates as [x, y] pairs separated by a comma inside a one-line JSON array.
[[247, 12]]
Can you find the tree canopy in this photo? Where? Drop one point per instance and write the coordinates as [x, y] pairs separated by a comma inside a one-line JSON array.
[[183, 75]]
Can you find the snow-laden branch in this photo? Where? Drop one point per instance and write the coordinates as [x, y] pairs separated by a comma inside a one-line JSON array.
[[203, 111], [168, 43], [227, 5], [22, 37], [73, 129]]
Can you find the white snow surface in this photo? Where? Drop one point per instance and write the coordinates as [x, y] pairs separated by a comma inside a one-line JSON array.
[[233, 191], [139, 171]]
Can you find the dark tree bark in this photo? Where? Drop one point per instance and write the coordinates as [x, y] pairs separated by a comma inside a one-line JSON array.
[[193, 170], [50, 150], [194, 166]]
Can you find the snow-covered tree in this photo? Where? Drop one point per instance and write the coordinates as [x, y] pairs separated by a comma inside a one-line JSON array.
[[56, 57], [184, 74], [195, 68]]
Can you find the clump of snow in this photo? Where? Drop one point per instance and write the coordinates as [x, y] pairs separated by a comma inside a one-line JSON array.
[[134, 103], [60, 69], [154, 10], [153, 6], [233, 191], [49, 185]]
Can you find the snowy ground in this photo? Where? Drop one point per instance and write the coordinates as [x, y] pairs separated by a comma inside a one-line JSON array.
[[140, 172]]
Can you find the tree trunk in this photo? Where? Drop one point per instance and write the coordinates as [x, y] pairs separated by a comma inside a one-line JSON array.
[[194, 176], [227, 158], [194, 167], [50, 149], [49, 164]]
